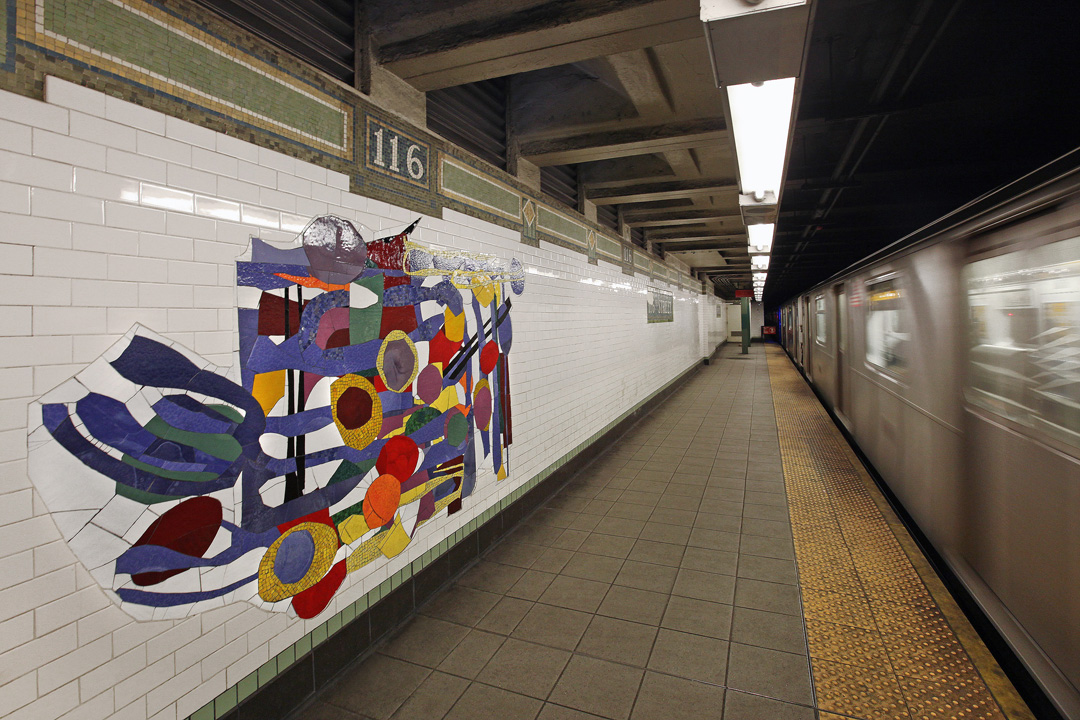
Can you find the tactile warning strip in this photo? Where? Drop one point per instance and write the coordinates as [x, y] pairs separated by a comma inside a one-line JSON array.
[[881, 646]]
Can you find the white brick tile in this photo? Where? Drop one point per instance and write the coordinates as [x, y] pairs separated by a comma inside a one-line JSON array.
[[15, 137], [209, 251], [337, 180], [69, 321], [95, 708], [15, 321], [36, 351], [19, 692], [45, 648], [17, 568], [310, 171], [277, 200], [16, 631], [39, 231], [293, 185], [101, 623], [190, 133], [94, 184], [150, 677], [163, 148], [277, 161], [58, 262], [35, 171], [17, 259], [214, 162], [192, 273], [172, 689], [310, 208], [47, 377], [14, 198], [167, 247], [99, 130], [16, 506], [236, 234], [16, 382], [75, 97], [190, 226], [134, 218], [257, 174], [138, 269], [120, 162], [183, 177], [109, 674], [127, 113], [104, 293], [68, 609], [73, 664], [191, 320], [166, 198], [217, 208], [238, 148], [236, 190], [69, 150], [165, 296], [221, 659], [354, 201], [67, 206], [120, 320], [114, 241], [213, 343], [52, 705], [88, 348], [35, 113]]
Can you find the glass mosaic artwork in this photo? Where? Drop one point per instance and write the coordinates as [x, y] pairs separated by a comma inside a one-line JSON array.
[[373, 378]]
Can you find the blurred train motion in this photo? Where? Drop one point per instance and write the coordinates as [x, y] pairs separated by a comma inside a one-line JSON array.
[[953, 359]]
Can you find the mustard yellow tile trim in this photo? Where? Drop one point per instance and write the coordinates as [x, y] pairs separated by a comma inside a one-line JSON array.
[[886, 639]]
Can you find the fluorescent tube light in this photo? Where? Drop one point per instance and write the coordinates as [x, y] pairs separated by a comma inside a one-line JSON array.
[[760, 120], [759, 262], [760, 237], [759, 276]]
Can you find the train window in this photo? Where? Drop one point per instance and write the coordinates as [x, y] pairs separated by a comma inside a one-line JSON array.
[[819, 319], [886, 327], [1024, 327]]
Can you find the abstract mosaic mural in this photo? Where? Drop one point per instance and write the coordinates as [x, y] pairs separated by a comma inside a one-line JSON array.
[[373, 378]]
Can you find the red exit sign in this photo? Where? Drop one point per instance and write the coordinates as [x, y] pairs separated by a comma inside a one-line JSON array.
[[744, 293]]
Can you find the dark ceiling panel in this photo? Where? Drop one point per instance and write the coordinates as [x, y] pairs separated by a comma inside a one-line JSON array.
[[911, 109], [319, 32]]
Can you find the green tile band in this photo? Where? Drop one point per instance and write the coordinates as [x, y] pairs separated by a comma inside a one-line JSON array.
[[118, 32], [471, 187], [561, 226]]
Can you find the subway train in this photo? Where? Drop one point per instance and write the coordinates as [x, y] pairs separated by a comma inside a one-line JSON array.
[[952, 359]]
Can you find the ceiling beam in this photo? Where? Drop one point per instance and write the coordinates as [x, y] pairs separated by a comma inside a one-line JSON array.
[[543, 35], [679, 216], [692, 237], [654, 191], [590, 147]]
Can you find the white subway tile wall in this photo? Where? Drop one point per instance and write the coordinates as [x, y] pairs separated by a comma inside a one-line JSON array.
[[112, 214]]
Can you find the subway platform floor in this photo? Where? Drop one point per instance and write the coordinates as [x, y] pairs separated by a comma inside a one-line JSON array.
[[727, 558]]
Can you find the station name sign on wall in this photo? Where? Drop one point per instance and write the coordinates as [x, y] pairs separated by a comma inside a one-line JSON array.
[[661, 306]]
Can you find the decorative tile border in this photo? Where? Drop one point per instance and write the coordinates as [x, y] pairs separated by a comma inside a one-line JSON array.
[[397, 154], [141, 42], [557, 225], [472, 187]]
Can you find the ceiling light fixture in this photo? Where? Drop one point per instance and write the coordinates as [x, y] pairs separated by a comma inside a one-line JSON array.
[[760, 237], [760, 121], [759, 262]]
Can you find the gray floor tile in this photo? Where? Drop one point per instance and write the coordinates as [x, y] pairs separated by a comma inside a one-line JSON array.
[[639, 606], [505, 616], [767, 569], [587, 566], [462, 605], [575, 593], [647, 576], [491, 577], [531, 585], [483, 702], [767, 547], [609, 545], [552, 711], [771, 597], [425, 641], [769, 630], [618, 640], [695, 657], [397, 678], [705, 586], [663, 532], [599, 687], [517, 554], [779, 675], [656, 552], [743, 706], [433, 699], [766, 528], [698, 616], [682, 518], [555, 626], [766, 512], [525, 668], [714, 540], [729, 523], [472, 654], [622, 527], [714, 561], [663, 697]]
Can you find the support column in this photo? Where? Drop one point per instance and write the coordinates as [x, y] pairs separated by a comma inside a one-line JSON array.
[[745, 325]]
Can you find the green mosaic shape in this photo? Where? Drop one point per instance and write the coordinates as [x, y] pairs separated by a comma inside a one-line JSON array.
[[458, 180], [556, 223], [608, 246], [120, 33], [4, 6]]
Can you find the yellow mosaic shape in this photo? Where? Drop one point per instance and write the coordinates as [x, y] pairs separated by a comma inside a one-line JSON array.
[[454, 325], [268, 388], [271, 589], [352, 528], [361, 437], [394, 336]]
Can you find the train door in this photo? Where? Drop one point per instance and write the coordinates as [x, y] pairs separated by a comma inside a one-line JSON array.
[[841, 347], [806, 345]]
